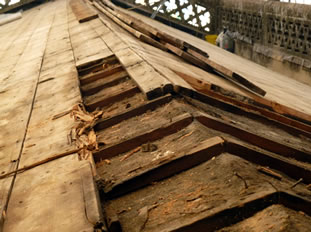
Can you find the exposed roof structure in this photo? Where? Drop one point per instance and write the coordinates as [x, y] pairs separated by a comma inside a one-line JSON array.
[[111, 121]]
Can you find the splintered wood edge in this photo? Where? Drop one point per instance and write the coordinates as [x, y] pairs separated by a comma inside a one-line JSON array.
[[90, 194], [203, 152], [265, 107], [172, 127], [282, 149], [139, 110]]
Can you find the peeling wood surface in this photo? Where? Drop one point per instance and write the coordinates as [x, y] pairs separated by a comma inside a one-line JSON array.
[[82, 12], [86, 44], [279, 88], [172, 164], [52, 198], [41, 82], [271, 217], [145, 157]]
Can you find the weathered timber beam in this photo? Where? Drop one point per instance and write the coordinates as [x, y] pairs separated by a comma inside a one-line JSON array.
[[151, 83], [263, 158], [230, 215], [152, 105], [267, 144], [104, 82], [188, 57], [280, 121], [142, 37], [177, 124], [81, 11], [205, 151], [100, 74], [101, 102], [228, 74], [207, 92]]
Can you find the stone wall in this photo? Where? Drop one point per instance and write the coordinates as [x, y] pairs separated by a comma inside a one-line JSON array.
[[274, 34]]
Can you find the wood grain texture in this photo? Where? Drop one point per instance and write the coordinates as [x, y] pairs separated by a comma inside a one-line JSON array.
[[86, 44], [284, 95], [45, 74], [82, 12]]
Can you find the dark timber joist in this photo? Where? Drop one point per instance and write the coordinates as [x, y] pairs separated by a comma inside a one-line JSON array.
[[210, 93], [265, 143], [264, 158], [104, 82], [168, 128], [113, 97], [100, 74], [82, 12], [177, 194], [139, 110], [205, 151], [171, 163], [235, 214], [287, 124]]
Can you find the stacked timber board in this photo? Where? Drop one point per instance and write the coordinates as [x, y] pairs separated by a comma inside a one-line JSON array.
[[48, 188], [283, 94], [81, 11], [171, 142], [178, 164], [181, 160]]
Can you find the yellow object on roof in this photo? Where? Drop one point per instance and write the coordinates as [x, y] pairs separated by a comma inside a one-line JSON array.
[[211, 39]]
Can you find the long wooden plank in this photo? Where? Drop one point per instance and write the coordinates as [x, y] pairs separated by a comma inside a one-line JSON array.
[[118, 96], [267, 144], [151, 83], [203, 152], [151, 31], [102, 83], [100, 74], [142, 37], [228, 73], [211, 90], [168, 128], [263, 158], [105, 123], [188, 57], [128, 57], [82, 12], [87, 46]]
